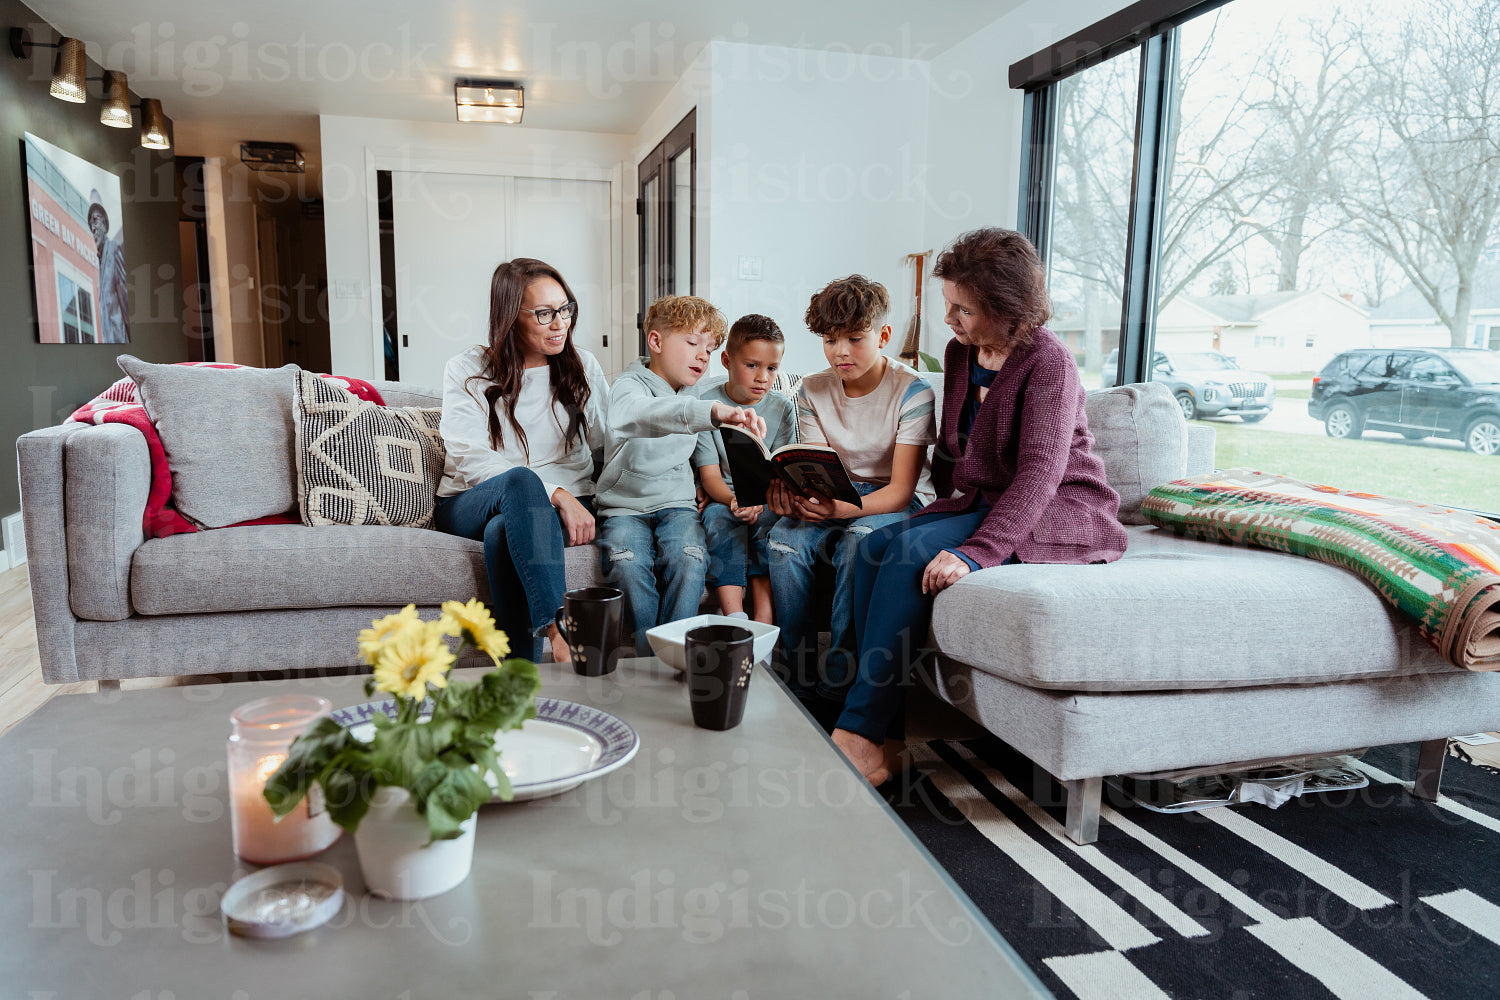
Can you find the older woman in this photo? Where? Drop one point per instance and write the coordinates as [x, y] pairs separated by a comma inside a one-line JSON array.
[[523, 419], [1016, 480]]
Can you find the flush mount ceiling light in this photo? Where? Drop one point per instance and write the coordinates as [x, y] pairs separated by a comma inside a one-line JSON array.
[[498, 101], [115, 111], [273, 157]]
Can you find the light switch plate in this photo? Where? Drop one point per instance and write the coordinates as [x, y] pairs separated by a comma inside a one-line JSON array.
[[749, 268]]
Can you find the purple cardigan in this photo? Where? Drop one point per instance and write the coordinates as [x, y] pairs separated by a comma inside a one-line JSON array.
[[1029, 457]]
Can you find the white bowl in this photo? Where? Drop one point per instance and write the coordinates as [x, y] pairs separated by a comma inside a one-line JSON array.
[[669, 641]]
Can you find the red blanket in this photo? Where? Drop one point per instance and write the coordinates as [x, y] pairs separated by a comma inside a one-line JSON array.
[[117, 405]]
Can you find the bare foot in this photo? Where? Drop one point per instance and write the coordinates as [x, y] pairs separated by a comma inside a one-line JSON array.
[[560, 652], [866, 757]]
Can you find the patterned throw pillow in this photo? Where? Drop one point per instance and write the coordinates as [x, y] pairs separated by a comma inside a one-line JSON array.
[[359, 463]]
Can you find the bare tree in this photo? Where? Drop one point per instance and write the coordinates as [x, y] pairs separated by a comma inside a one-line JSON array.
[[1305, 104], [1425, 177]]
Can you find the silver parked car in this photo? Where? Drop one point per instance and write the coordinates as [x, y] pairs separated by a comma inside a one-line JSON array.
[[1208, 384]]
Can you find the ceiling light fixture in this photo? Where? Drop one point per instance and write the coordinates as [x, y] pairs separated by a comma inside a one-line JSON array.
[[69, 69], [154, 125], [273, 157], [495, 101], [115, 111]]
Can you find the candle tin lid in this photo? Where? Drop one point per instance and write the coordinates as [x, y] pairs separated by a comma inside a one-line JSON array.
[[283, 900]]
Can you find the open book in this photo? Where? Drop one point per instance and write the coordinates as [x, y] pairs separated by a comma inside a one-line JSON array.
[[806, 468]]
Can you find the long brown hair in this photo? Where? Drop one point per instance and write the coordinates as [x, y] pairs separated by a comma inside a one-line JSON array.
[[504, 364]]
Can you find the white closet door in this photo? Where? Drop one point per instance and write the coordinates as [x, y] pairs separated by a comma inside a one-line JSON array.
[[449, 235], [567, 224]]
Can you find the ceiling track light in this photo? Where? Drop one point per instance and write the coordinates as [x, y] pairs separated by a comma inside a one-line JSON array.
[[494, 101], [70, 82]]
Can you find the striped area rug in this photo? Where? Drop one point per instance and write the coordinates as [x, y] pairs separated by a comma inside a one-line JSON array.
[[1368, 894]]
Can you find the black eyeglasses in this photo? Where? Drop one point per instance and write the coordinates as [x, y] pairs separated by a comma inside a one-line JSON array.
[[546, 314]]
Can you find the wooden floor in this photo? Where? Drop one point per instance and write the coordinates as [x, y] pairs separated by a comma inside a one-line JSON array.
[[22, 691]]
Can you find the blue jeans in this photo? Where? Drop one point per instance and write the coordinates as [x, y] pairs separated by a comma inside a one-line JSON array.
[[795, 547], [659, 560], [736, 550], [892, 616], [523, 551]]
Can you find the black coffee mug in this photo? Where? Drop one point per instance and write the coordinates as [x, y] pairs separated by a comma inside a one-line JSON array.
[[589, 621], [720, 659]]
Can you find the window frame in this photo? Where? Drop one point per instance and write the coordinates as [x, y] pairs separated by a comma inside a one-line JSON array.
[[1148, 25]]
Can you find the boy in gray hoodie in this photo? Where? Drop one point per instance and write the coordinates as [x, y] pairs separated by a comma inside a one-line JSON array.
[[651, 538]]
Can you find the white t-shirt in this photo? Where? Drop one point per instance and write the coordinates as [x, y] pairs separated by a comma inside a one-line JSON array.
[[865, 430], [466, 433]]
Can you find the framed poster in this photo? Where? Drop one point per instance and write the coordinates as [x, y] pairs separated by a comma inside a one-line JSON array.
[[77, 248]]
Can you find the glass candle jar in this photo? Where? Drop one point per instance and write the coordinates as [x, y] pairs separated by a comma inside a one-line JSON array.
[[261, 733]]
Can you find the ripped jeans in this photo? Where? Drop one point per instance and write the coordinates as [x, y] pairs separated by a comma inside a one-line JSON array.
[[795, 548], [660, 562]]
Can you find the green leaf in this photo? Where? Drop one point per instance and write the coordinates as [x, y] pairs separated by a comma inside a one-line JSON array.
[[931, 363], [399, 752], [309, 756], [448, 796], [347, 796], [501, 699]]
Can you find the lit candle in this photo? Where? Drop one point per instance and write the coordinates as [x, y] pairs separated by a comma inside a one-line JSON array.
[[261, 734]]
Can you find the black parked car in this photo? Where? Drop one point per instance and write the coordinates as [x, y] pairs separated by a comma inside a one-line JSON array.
[[1447, 392]]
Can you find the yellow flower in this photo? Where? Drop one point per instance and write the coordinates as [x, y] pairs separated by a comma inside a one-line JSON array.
[[413, 658], [474, 618], [382, 630]]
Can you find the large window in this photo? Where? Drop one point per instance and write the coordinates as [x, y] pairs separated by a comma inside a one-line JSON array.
[[1233, 197]]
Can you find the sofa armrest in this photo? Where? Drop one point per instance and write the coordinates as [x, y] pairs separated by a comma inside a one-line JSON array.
[[108, 470], [39, 456]]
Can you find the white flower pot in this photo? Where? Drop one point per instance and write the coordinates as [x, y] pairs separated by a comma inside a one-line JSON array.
[[395, 857]]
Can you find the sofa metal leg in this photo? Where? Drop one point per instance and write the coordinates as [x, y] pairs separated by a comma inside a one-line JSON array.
[[1084, 796], [1430, 769]]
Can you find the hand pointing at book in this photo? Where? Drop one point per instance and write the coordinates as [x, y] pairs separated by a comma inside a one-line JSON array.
[[740, 416]]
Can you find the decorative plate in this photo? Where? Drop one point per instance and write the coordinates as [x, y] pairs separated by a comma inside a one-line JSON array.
[[564, 746]]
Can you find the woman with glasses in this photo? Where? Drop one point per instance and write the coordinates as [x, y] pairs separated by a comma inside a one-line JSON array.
[[523, 420]]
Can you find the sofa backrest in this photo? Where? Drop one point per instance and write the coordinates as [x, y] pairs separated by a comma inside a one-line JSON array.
[[1141, 435], [408, 394]]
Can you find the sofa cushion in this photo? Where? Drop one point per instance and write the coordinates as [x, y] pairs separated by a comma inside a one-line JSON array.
[[227, 433], [1173, 614], [360, 463], [275, 566], [1142, 437]]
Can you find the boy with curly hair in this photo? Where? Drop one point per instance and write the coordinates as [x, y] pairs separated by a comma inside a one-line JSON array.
[[879, 415], [651, 539]]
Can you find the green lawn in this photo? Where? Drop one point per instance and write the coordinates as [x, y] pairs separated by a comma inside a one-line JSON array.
[[1387, 466]]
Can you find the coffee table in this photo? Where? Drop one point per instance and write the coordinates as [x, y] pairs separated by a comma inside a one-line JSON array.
[[746, 864]]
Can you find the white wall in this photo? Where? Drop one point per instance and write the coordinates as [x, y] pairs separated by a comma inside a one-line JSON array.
[[352, 150], [974, 126], [815, 164]]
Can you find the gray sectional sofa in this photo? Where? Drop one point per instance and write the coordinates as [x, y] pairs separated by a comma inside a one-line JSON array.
[[1182, 653]]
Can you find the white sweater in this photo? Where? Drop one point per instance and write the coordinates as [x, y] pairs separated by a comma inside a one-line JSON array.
[[466, 434]]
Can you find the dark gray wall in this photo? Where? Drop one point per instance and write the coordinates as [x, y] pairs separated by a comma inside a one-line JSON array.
[[40, 384]]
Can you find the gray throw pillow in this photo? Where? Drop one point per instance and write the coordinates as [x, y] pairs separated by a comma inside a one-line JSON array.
[[227, 433], [361, 463], [1140, 434]]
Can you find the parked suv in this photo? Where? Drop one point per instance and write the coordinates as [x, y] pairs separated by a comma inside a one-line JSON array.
[[1207, 384], [1447, 392]]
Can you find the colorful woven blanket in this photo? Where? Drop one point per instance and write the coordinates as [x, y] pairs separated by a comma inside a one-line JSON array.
[[1438, 565], [117, 405]]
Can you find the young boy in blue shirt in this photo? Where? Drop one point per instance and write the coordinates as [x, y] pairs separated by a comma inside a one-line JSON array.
[[651, 539], [738, 536], [879, 415]]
